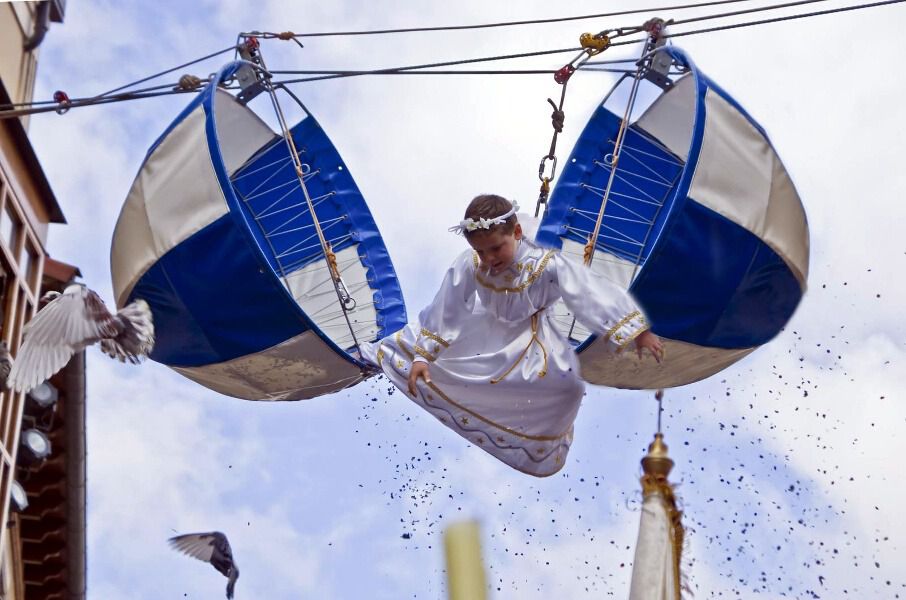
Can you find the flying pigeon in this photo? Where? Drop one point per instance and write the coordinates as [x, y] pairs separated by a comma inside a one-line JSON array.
[[72, 321], [212, 547]]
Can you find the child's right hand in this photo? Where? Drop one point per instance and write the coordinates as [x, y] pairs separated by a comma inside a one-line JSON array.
[[419, 369], [647, 340]]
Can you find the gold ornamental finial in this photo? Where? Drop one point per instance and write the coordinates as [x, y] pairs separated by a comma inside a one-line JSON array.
[[657, 462]]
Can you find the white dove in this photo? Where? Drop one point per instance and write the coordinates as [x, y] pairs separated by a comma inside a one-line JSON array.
[[212, 547], [72, 321]]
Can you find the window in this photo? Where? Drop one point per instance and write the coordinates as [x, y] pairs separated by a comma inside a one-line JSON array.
[[10, 226], [29, 264]]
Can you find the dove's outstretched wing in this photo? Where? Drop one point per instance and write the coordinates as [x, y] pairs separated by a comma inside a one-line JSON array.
[[212, 547], [69, 323]]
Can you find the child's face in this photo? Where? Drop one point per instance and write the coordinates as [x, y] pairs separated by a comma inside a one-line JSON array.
[[496, 249]]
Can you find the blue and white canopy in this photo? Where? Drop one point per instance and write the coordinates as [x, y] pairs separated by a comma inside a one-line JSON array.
[[703, 225], [217, 237]]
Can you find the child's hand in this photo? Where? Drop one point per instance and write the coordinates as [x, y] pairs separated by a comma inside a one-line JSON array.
[[419, 369], [651, 342]]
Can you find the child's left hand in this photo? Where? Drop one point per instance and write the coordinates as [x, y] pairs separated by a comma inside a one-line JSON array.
[[648, 340]]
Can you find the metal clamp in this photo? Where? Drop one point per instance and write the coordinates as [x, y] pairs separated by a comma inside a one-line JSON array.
[[62, 100], [594, 43]]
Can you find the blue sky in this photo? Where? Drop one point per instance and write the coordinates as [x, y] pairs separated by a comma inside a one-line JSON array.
[[784, 460]]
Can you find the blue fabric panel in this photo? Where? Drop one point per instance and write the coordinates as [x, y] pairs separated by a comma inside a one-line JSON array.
[[212, 302], [243, 223], [269, 193], [714, 283], [645, 170]]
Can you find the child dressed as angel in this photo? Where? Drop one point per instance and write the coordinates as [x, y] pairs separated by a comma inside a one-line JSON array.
[[485, 357]]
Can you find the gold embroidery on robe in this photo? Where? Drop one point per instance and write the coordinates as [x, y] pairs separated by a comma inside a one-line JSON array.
[[533, 276]]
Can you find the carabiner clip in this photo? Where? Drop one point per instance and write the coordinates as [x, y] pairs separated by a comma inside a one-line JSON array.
[[543, 164]]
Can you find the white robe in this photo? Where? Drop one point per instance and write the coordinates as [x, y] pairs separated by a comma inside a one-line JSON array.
[[502, 376]]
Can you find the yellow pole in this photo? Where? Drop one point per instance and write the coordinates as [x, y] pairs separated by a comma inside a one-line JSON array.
[[465, 570]]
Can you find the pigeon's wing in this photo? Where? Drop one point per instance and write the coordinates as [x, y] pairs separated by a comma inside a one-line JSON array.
[[73, 320], [201, 545]]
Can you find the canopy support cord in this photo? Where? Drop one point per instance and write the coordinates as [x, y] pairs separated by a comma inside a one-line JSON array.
[[659, 396], [347, 302], [655, 28]]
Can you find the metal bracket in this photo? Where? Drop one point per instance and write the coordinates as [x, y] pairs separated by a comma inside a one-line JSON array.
[[660, 62], [249, 78]]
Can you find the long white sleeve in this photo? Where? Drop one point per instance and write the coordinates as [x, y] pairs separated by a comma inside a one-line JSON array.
[[599, 304], [441, 321]]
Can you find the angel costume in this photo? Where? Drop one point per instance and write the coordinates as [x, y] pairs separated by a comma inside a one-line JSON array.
[[502, 376]]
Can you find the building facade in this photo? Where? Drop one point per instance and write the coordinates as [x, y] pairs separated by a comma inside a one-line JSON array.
[[42, 449]]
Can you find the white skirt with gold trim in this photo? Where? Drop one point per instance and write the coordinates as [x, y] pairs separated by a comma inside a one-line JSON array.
[[510, 388]]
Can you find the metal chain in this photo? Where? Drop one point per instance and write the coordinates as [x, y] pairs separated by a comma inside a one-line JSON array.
[[592, 45]]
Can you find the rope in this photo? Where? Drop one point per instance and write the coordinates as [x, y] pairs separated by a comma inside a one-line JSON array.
[[347, 302], [289, 34], [655, 29]]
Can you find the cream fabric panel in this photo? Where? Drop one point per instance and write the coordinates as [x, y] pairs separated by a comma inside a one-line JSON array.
[[740, 177], [684, 363], [605, 265], [785, 225], [313, 290], [653, 576], [175, 195], [240, 131], [299, 368], [132, 251], [671, 117]]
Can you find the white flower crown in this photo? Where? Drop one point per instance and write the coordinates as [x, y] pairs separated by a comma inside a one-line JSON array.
[[469, 225]]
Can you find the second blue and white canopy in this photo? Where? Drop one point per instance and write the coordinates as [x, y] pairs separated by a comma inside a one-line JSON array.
[[703, 225]]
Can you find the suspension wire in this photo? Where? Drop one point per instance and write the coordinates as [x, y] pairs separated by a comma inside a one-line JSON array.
[[745, 11], [56, 104], [182, 66], [787, 18], [14, 110], [58, 108], [434, 72], [290, 35], [395, 70]]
